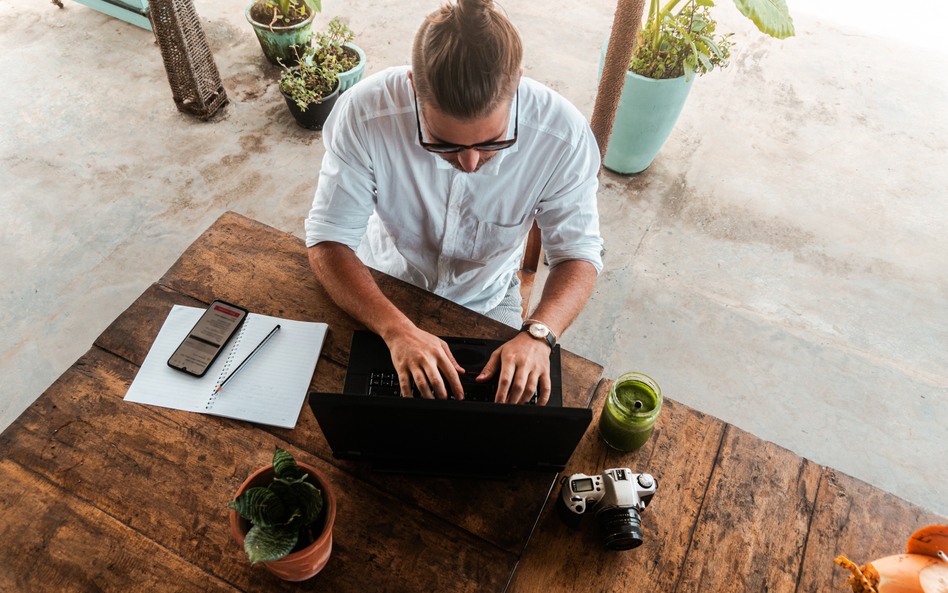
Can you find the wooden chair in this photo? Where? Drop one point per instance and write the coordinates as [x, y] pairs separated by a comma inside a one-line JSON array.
[[528, 267]]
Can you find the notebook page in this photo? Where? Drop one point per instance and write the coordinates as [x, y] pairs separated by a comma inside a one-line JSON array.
[[157, 384], [272, 387]]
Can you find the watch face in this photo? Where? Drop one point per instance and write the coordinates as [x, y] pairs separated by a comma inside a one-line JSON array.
[[538, 330]]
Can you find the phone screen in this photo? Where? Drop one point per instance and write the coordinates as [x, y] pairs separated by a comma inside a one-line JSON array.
[[207, 338]]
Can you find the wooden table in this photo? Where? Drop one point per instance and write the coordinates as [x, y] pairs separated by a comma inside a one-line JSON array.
[[99, 494]]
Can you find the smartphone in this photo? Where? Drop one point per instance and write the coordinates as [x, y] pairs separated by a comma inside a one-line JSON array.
[[207, 338]]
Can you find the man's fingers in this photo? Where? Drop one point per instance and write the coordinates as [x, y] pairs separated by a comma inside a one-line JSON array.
[[404, 383], [518, 387], [435, 382], [545, 388], [421, 382], [503, 384], [451, 371], [491, 367]]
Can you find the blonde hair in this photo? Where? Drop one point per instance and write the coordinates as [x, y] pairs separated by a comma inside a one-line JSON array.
[[466, 59]]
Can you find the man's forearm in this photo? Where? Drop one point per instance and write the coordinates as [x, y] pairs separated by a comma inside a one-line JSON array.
[[350, 284], [565, 292]]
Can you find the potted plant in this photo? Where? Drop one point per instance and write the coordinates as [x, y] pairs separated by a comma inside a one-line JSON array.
[[677, 41], [310, 90], [282, 24], [283, 516], [336, 47]]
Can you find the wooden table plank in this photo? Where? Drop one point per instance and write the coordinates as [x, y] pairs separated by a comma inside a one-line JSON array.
[[169, 474], [53, 541], [753, 524], [859, 521], [680, 454]]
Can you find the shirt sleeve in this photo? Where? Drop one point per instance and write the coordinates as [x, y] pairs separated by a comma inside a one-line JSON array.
[[569, 217], [346, 190]]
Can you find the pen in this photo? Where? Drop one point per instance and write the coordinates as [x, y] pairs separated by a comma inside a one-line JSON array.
[[249, 356]]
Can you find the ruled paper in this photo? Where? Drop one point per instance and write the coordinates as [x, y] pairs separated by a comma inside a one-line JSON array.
[[270, 389]]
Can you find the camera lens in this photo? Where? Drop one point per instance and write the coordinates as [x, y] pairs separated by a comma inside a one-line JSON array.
[[621, 528]]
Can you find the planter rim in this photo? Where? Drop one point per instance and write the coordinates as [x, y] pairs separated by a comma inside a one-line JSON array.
[[659, 80], [300, 25], [329, 508], [359, 51], [335, 91], [605, 45]]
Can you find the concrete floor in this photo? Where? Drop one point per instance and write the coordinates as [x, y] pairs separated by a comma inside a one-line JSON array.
[[782, 265]]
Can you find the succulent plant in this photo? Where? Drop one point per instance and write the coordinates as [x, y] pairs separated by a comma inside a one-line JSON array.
[[282, 513]]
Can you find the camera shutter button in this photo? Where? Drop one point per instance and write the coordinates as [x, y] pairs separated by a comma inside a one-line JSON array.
[[645, 481]]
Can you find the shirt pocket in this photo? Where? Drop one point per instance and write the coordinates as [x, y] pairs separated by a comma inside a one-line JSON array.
[[492, 239]]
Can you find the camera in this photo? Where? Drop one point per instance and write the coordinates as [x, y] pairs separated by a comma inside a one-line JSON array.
[[617, 496]]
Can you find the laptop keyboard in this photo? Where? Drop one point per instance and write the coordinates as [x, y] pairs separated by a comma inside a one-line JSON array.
[[385, 383]]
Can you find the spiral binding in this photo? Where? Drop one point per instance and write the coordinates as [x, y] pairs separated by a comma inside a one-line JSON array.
[[230, 359]]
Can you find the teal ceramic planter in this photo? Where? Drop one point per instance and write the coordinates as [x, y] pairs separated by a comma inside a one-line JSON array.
[[648, 110], [276, 44], [350, 77]]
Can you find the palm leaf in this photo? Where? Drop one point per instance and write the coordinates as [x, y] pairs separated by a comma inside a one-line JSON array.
[[771, 16]]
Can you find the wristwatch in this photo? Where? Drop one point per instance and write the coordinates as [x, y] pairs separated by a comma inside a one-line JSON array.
[[539, 331]]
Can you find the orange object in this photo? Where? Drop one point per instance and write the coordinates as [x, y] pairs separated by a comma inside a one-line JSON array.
[[924, 569], [929, 541]]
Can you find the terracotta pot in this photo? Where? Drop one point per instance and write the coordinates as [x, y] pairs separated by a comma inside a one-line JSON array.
[[306, 563]]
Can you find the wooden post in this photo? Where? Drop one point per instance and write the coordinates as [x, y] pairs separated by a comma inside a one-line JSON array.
[[625, 26]]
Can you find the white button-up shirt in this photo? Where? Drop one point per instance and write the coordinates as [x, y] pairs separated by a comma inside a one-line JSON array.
[[410, 214]]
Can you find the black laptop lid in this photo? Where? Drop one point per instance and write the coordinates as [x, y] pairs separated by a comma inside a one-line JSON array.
[[446, 437]]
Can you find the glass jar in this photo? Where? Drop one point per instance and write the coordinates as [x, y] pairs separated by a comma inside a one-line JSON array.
[[630, 411]]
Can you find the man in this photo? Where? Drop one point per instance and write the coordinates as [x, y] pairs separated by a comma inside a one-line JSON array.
[[435, 175]]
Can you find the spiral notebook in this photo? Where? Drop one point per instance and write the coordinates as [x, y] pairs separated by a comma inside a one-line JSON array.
[[269, 390]]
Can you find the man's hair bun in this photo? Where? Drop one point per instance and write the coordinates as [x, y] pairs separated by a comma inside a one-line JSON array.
[[466, 59], [473, 17]]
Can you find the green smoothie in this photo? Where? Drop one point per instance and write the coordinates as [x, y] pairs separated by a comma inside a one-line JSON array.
[[630, 412]]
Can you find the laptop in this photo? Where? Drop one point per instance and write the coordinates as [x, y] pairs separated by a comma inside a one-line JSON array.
[[472, 438]]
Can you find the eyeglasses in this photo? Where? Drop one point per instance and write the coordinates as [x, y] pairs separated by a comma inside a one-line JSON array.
[[488, 146]]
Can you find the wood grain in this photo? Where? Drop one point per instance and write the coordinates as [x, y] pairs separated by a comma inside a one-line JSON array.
[[168, 475], [752, 528], [53, 541], [680, 455], [859, 521]]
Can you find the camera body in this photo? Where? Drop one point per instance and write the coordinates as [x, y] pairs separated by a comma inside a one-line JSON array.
[[617, 496]]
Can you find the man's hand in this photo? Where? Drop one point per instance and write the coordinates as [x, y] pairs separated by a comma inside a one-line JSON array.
[[420, 356], [524, 364]]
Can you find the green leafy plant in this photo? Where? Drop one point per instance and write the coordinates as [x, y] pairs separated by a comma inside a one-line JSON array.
[[672, 44], [329, 47], [311, 80], [290, 10], [282, 514]]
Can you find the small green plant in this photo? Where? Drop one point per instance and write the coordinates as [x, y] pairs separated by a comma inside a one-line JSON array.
[[282, 514], [329, 47], [672, 44], [311, 80], [292, 9]]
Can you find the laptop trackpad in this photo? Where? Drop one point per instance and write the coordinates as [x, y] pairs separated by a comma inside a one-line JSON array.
[[470, 355]]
